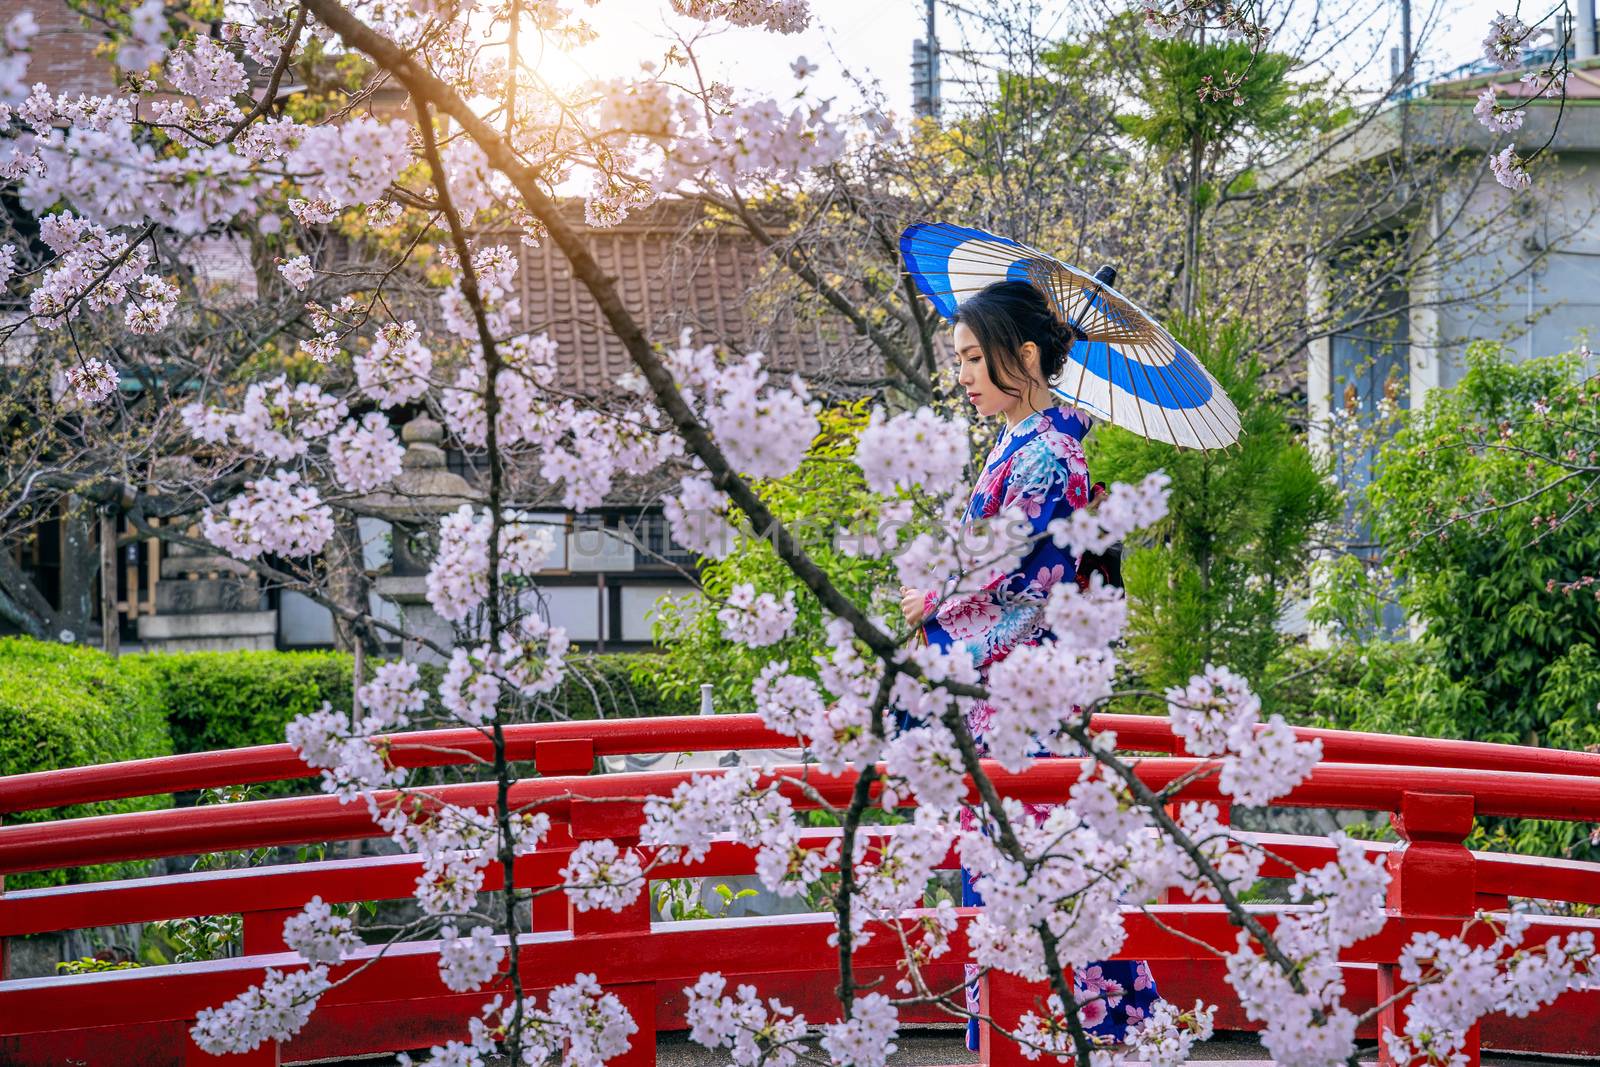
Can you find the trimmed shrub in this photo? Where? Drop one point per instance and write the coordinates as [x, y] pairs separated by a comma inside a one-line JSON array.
[[217, 700], [68, 706], [619, 685]]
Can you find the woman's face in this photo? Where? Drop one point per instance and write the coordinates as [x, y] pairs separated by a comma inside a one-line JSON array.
[[973, 374]]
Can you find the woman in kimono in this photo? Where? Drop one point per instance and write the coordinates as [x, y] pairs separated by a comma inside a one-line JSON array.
[[1008, 345]]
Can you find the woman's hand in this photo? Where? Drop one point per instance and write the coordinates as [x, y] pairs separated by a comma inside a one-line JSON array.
[[911, 603]]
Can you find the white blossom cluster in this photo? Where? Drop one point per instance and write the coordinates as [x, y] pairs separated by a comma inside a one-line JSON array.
[[93, 380], [684, 824], [1495, 116], [699, 516], [581, 1023], [396, 367], [275, 1010], [600, 875], [458, 578], [297, 272], [780, 16], [915, 449], [1510, 169], [756, 1032], [467, 963], [1217, 714], [866, 1039], [756, 620], [320, 934], [1460, 983], [1167, 1035], [1503, 44], [351, 762], [365, 454], [20, 31], [95, 269], [275, 515], [764, 431]]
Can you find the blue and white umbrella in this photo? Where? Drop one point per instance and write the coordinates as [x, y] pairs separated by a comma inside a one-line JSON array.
[[1125, 367]]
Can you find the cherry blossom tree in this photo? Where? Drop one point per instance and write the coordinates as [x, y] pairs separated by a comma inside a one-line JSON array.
[[482, 134]]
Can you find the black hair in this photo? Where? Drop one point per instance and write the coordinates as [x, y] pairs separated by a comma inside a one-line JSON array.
[[1004, 316]]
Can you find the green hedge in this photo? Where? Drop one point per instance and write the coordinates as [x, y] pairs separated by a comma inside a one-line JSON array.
[[67, 706], [217, 700], [231, 699]]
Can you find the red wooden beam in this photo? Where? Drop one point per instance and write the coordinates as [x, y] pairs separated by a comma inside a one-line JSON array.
[[302, 820], [678, 951], [270, 763], [259, 889]]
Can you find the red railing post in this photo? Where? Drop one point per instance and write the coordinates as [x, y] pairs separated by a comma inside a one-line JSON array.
[[619, 820], [563, 756], [549, 909], [558, 757], [1430, 874], [1005, 998], [263, 931]]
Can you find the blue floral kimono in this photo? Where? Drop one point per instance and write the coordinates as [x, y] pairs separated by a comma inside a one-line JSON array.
[[1038, 466]]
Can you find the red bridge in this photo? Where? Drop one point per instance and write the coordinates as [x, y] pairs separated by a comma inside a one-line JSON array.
[[1434, 788]]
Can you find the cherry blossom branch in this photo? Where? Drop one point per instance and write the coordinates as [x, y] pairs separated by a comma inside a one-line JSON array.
[[860, 797], [425, 87], [274, 81], [1158, 812], [491, 409]]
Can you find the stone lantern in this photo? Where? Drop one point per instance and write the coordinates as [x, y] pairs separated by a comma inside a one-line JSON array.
[[412, 504]]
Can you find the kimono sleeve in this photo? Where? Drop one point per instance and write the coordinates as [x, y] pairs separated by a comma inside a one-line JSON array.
[[1003, 614]]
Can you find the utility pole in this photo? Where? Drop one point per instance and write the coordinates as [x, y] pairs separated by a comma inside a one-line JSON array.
[[1584, 35], [1407, 76], [925, 69]]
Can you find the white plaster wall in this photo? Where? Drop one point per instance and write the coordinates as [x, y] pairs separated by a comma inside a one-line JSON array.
[[1545, 267], [638, 604], [576, 608]]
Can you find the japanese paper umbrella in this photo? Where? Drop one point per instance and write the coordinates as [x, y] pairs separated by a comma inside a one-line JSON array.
[[1124, 367]]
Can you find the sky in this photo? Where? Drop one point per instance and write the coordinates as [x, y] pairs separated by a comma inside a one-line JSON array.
[[852, 40]]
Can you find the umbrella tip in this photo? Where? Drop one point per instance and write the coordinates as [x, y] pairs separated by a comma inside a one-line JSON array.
[[1106, 275]]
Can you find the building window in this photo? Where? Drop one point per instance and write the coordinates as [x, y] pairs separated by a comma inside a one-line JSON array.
[[654, 538], [1369, 377], [1370, 364]]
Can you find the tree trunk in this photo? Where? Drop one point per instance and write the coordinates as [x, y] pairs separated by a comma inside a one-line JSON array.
[[110, 621], [348, 585], [1191, 235], [78, 564]]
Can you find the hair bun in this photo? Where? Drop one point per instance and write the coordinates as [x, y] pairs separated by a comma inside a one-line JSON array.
[[1066, 332]]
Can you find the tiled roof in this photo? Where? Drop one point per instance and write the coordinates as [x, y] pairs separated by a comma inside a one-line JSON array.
[[674, 270]]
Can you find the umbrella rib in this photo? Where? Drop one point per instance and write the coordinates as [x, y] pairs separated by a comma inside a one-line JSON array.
[[1149, 381], [1111, 385], [1083, 366], [1181, 369], [1213, 422]]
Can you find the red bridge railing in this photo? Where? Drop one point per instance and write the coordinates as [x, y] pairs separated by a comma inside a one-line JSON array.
[[1434, 788]]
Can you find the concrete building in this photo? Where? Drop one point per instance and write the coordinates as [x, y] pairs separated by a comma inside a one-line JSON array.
[[1522, 268]]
